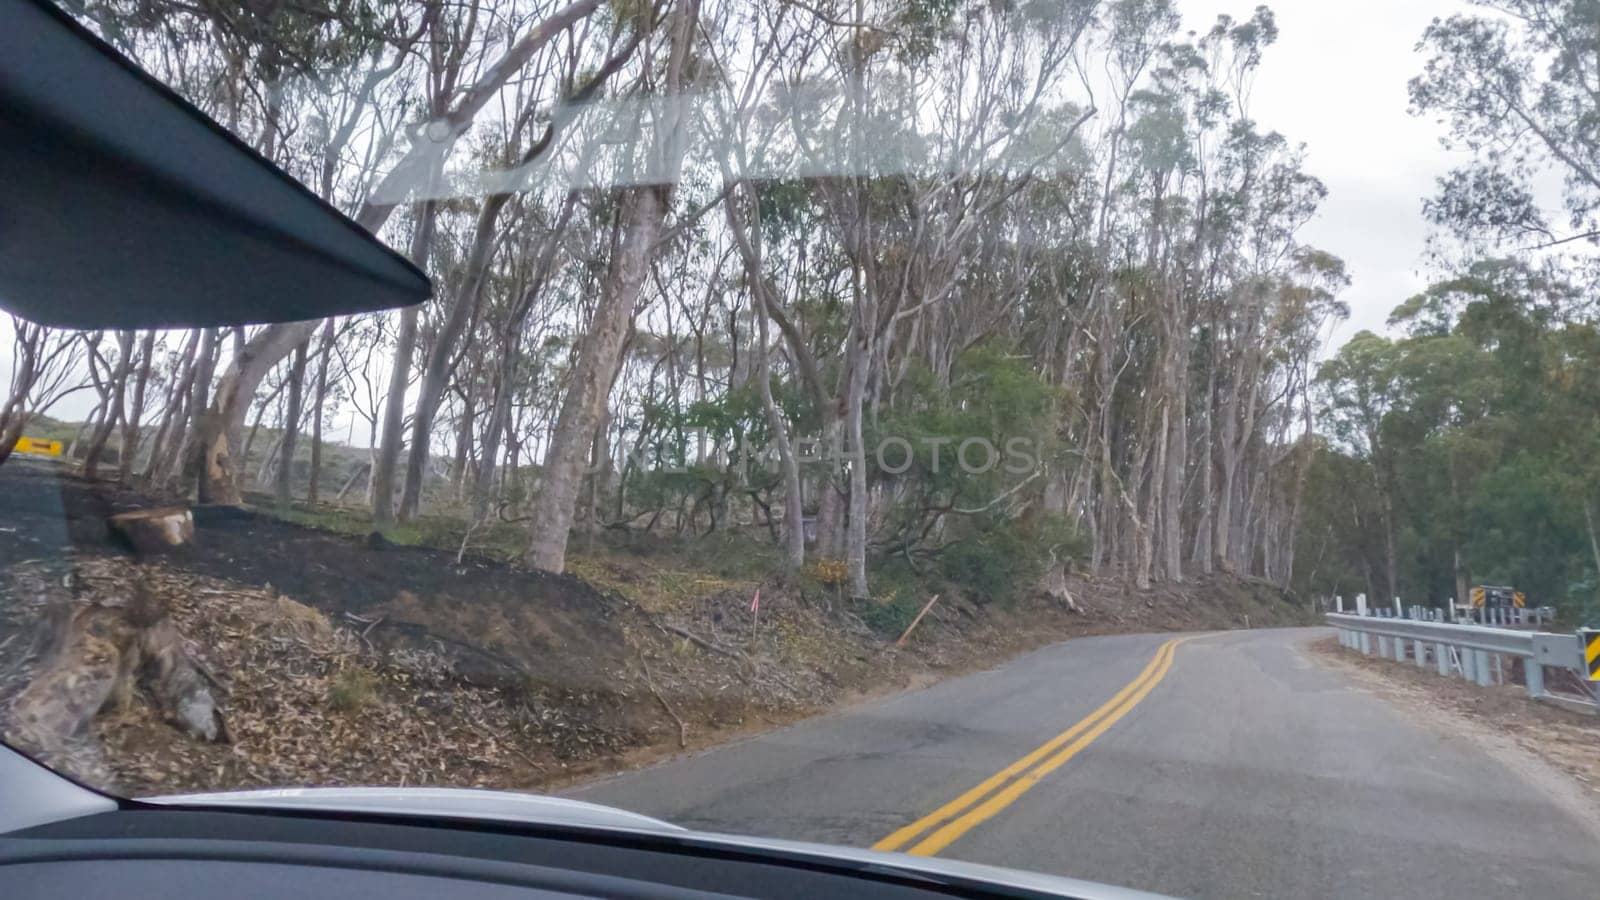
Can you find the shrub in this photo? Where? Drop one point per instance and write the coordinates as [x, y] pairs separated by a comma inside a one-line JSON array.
[[887, 617], [352, 689]]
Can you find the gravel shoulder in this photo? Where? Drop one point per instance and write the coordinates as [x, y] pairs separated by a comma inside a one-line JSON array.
[[1555, 747]]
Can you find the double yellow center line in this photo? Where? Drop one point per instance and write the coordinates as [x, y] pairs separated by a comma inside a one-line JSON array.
[[988, 798]]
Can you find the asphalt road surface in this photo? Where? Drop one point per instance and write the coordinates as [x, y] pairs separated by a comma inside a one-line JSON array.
[[1224, 765]]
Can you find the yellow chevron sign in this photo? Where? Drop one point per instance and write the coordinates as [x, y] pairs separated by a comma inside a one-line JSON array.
[[38, 446], [1591, 652], [1477, 596]]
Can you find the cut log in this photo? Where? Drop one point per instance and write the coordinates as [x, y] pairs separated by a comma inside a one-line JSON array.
[[155, 530]]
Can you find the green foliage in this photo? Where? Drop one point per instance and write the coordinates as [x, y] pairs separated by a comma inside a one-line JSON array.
[[991, 565], [1003, 560], [1466, 452], [888, 619], [1515, 87], [991, 396]]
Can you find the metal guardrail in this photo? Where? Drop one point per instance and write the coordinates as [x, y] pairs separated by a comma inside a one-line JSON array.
[[1475, 652], [1495, 617]]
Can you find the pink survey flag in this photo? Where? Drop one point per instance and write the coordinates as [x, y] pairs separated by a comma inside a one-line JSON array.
[[755, 602]]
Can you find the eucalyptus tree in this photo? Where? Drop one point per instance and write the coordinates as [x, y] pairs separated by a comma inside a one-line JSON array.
[[1515, 86], [649, 162]]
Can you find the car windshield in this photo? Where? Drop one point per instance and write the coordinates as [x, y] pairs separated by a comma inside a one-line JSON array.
[[1149, 441]]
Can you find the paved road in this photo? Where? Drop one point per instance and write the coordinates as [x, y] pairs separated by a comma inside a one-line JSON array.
[[1236, 767]]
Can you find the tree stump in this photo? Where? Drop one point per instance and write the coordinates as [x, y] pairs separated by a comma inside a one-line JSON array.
[[155, 530], [103, 652]]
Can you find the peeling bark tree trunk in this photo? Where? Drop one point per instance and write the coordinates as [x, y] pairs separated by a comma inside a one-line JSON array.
[[221, 427], [556, 507], [644, 209]]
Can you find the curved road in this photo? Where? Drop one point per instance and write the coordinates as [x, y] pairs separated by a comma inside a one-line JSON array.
[[1222, 765]]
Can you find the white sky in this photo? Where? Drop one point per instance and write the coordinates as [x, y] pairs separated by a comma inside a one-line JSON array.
[[1336, 82]]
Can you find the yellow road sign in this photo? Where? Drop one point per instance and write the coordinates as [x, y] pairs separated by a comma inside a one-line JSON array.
[[1591, 652], [1519, 599], [38, 446], [1477, 596]]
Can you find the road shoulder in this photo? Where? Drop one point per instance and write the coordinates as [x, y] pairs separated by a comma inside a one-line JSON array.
[[1554, 749]]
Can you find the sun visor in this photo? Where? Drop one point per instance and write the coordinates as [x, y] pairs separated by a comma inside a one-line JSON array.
[[123, 206]]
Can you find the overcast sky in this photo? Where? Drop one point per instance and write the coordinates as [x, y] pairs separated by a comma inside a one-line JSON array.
[[1336, 82]]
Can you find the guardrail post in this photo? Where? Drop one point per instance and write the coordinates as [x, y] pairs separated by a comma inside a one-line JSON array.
[[1421, 651], [1442, 658], [1480, 667], [1468, 661], [1366, 643], [1533, 674]]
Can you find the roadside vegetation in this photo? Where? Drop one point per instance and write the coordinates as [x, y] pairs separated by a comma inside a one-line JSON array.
[[854, 305]]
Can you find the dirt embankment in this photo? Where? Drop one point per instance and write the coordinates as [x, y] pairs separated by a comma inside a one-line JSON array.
[[342, 661]]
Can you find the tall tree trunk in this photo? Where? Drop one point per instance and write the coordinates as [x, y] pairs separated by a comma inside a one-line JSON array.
[[436, 371], [324, 352], [291, 425], [135, 416], [169, 433], [1177, 453], [117, 390], [1208, 463], [644, 209], [794, 536], [459, 462], [499, 414], [388, 456], [860, 349], [221, 428], [749, 243]]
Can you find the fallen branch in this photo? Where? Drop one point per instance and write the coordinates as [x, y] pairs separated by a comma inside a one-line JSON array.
[[465, 538], [706, 643], [683, 731], [918, 620]]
